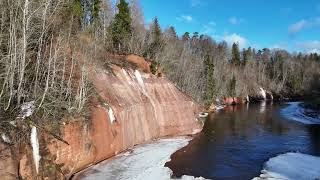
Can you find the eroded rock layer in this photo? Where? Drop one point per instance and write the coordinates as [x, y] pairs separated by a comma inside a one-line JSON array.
[[133, 107]]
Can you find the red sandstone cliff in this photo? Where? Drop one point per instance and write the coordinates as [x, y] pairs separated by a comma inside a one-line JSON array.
[[134, 107]]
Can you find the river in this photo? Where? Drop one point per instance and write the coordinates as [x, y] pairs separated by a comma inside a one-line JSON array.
[[240, 141]]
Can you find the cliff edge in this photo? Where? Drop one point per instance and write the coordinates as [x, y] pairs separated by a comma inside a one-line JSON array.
[[131, 107]]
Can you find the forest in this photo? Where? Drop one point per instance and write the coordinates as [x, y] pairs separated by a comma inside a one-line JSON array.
[[47, 47]]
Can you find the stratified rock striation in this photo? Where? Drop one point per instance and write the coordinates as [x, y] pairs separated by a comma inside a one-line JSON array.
[[143, 106], [131, 107]]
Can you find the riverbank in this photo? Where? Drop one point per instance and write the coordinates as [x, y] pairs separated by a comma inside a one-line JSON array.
[[143, 162], [130, 106]]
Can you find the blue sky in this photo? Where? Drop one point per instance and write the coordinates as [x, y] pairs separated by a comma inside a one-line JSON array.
[[289, 24]]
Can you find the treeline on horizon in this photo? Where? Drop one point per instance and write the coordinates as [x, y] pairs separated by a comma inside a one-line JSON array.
[[46, 46], [206, 69]]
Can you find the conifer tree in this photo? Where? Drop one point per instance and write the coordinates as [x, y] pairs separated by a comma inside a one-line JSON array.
[[77, 13], [186, 36], [210, 83], [156, 35], [95, 8], [156, 40], [235, 59], [121, 26], [232, 87], [244, 56], [171, 32]]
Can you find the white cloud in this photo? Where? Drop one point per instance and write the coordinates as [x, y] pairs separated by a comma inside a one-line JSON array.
[[185, 18], [235, 38], [303, 24], [298, 26], [309, 46], [235, 21], [212, 23], [314, 51]]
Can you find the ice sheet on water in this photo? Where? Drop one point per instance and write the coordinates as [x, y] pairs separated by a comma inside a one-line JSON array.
[[295, 112], [291, 166]]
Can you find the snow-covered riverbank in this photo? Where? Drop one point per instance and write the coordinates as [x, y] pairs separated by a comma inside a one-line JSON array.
[[144, 162]]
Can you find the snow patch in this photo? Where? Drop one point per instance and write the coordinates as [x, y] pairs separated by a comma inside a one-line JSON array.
[[219, 107], [140, 80], [126, 75], [35, 147], [143, 162], [111, 115], [291, 166], [247, 98], [262, 93], [5, 138], [295, 112], [195, 131], [27, 109], [185, 177]]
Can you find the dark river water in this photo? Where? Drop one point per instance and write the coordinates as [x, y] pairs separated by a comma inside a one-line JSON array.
[[237, 141]]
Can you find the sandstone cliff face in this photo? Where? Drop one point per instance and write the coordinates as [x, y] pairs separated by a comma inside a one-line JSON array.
[[7, 163], [134, 107]]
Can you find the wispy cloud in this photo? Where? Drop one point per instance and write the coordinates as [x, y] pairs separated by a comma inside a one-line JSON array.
[[309, 46], [185, 18], [235, 21], [235, 38], [298, 26], [209, 28], [194, 3], [303, 24], [282, 45]]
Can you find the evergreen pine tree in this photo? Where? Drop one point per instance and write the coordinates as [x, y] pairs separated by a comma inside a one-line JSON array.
[[77, 13], [121, 26], [95, 8], [235, 54], [232, 87], [244, 56], [156, 35], [195, 35], [156, 39], [210, 83], [186, 36], [171, 32]]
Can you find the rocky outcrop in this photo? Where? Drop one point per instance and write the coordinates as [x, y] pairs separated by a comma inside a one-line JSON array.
[[233, 100], [261, 95], [8, 167], [131, 107]]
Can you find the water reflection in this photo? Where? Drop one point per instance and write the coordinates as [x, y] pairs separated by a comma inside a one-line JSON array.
[[314, 132], [236, 142]]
